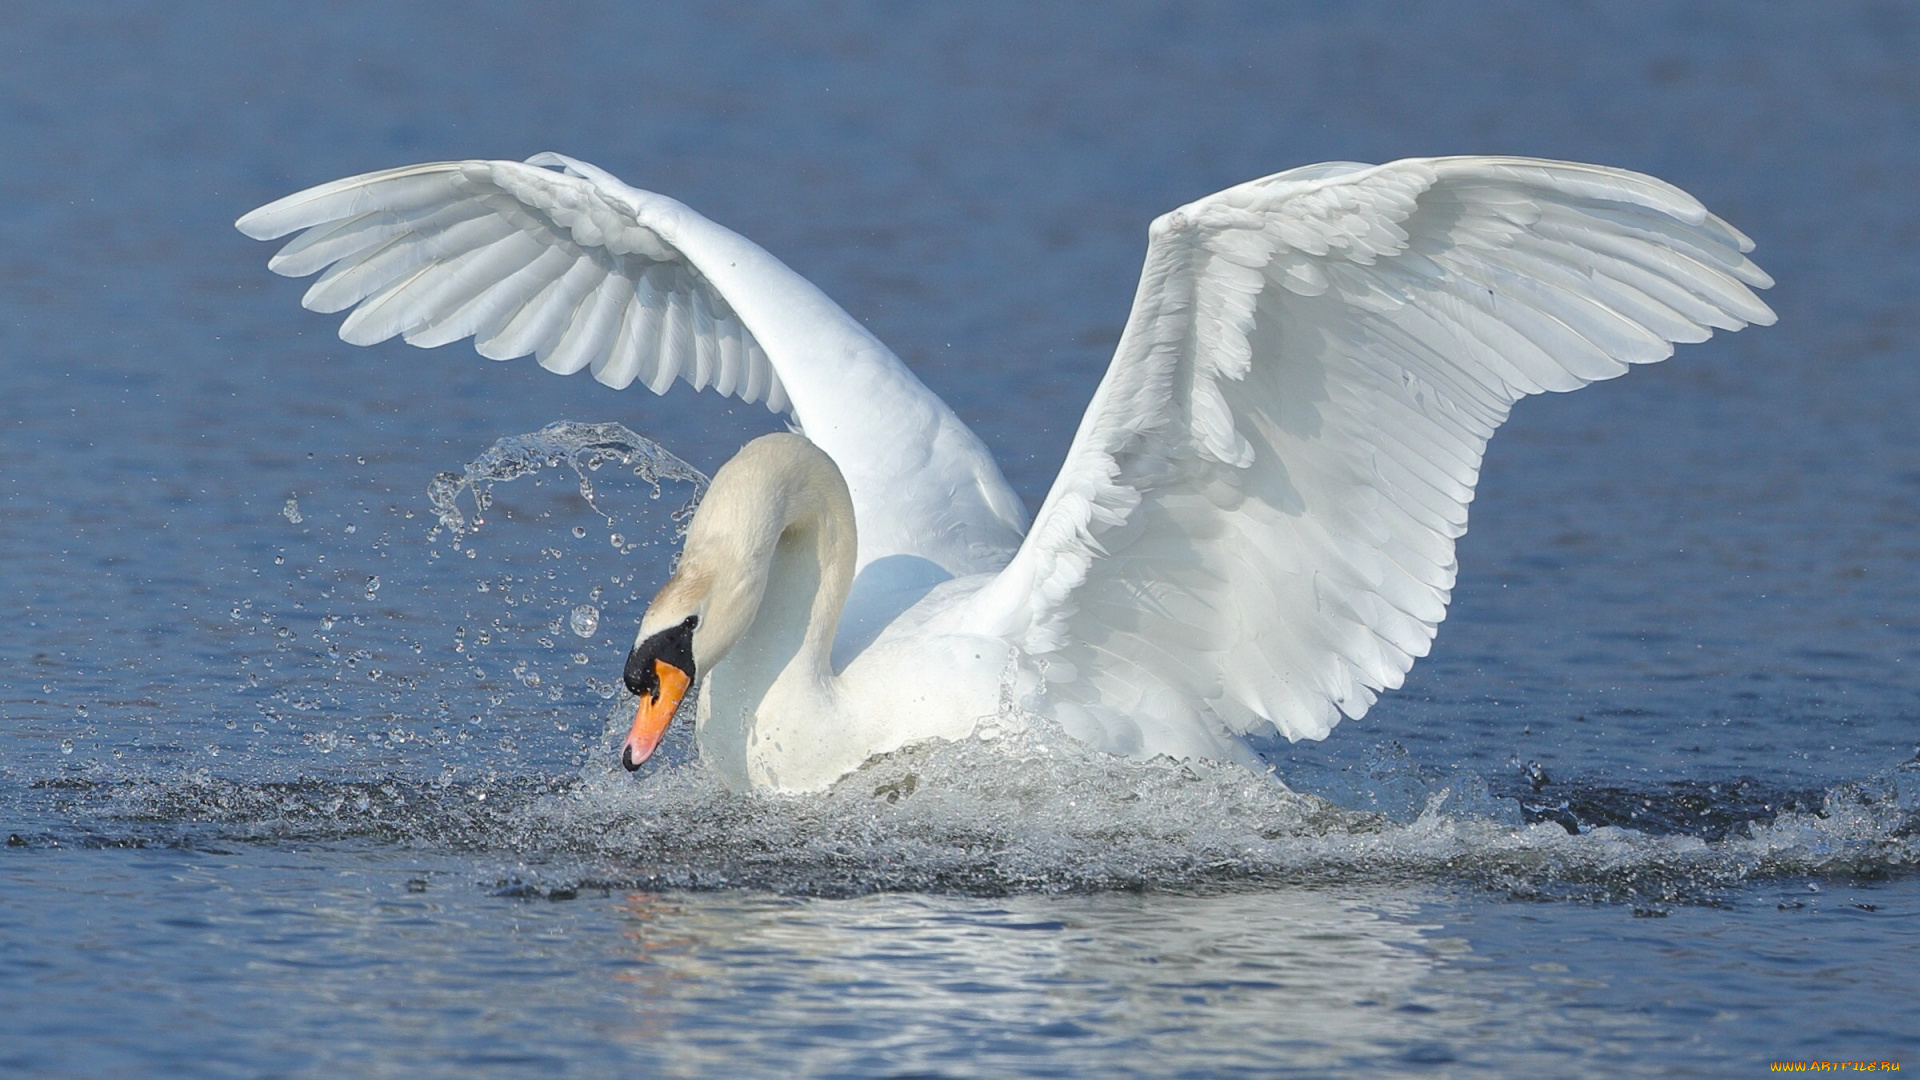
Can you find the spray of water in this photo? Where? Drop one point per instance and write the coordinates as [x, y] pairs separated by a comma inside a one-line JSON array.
[[584, 448]]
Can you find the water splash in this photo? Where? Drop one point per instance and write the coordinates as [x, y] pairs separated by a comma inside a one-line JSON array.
[[1030, 810], [584, 621], [365, 645], [583, 448]]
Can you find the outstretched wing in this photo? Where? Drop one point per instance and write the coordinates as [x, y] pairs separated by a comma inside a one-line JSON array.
[[1255, 524], [586, 273]]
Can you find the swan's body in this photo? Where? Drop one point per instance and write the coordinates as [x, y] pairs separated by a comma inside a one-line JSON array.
[[1253, 529]]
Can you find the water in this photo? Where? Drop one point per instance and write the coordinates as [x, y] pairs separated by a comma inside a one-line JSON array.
[[299, 778]]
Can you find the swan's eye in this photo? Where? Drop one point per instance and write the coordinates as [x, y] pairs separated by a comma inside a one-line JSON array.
[[673, 646]]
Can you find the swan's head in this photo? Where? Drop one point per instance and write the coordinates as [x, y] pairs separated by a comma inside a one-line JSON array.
[[691, 624], [675, 646], [659, 670]]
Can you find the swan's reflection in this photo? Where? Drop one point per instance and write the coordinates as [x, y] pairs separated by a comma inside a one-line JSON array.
[[1268, 982]]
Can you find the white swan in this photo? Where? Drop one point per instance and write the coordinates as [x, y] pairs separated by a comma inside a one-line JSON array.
[[1253, 530]]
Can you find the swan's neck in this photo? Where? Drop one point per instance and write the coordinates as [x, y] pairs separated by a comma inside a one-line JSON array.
[[774, 540]]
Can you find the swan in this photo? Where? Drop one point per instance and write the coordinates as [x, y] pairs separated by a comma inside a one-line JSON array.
[[1253, 530]]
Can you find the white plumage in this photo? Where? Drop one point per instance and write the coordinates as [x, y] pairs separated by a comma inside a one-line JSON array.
[[1255, 524]]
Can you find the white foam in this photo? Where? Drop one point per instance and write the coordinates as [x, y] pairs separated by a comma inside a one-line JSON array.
[[1030, 811]]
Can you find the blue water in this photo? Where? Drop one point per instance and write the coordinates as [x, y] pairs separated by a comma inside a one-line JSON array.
[[332, 796]]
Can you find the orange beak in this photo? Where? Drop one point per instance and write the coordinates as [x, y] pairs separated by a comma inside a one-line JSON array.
[[655, 713]]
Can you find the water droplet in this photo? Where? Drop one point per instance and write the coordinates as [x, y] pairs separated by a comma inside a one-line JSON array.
[[279, 560], [291, 511], [580, 658], [353, 528], [373, 586], [66, 746], [617, 540], [326, 622], [579, 532], [585, 621]]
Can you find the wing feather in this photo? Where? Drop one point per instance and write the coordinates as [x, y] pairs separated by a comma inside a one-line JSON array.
[[440, 282], [541, 321], [494, 287], [323, 245], [589, 330], [706, 339], [396, 254], [632, 343]]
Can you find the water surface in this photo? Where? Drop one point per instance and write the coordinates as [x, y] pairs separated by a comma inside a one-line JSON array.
[[294, 783]]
